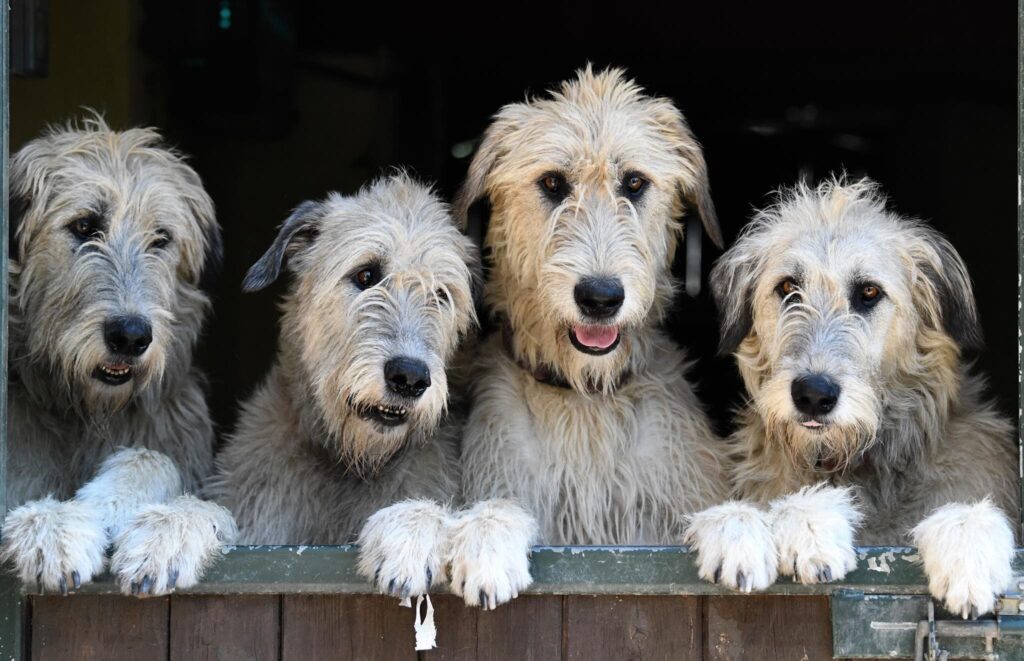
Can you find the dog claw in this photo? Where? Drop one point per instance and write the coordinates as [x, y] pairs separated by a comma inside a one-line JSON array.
[[376, 575], [147, 585], [76, 579], [63, 584], [430, 577], [404, 591], [483, 600], [718, 575], [391, 587], [135, 588], [741, 582], [827, 573], [172, 579]]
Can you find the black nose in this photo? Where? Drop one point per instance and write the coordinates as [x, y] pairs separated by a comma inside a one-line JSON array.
[[127, 336], [407, 377], [815, 394], [599, 297]]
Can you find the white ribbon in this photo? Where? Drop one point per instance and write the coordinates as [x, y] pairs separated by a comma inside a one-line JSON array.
[[426, 631]]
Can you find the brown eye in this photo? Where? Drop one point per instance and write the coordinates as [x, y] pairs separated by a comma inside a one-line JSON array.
[[162, 240], [86, 227], [865, 296], [554, 186], [366, 276], [634, 184], [786, 287], [442, 295]]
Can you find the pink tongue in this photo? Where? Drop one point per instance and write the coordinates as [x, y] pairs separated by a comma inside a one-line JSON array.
[[596, 337]]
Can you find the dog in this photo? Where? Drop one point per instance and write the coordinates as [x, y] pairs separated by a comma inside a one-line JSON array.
[[352, 436], [581, 410], [108, 425], [849, 324]]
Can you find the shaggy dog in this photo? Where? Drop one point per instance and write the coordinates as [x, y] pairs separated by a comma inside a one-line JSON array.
[[849, 324], [582, 411], [108, 423], [354, 415]]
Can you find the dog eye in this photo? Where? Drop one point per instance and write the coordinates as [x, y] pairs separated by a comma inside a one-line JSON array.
[[86, 228], [788, 287], [866, 296], [633, 184], [442, 295], [366, 276], [555, 186], [161, 241]]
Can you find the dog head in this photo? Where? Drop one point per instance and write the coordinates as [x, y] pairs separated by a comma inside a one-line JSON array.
[[114, 237], [843, 316], [380, 299], [586, 189]]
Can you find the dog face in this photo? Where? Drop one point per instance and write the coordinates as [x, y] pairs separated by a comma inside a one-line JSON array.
[[839, 311], [381, 298], [114, 236], [586, 188]]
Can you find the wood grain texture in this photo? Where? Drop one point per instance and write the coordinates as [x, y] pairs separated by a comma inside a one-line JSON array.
[[526, 629], [635, 628], [344, 628], [225, 628], [768, 628], [87, 627]]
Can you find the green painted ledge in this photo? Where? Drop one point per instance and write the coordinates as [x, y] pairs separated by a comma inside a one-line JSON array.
[[661, 570]]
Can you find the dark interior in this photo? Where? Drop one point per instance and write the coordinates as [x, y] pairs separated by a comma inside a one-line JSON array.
[[278, 102]]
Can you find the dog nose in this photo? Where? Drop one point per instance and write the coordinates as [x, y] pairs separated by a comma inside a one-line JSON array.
[[128, 336], [599, 297], [815, 394], [407, 377]]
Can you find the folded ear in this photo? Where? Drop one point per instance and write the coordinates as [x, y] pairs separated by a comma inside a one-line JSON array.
[[945, 297], [694, 185], [472, 204], [296, 233], [732, 286]]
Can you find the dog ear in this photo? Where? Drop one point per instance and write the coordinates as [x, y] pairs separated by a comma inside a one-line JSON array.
[[297, 231], [213, 259], [695, 187], [472, 206], [732, 280], [17, 206], [949, 292]]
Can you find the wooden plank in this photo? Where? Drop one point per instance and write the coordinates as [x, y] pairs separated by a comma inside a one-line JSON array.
[[225, 628], [633, 627], [528, 628], [87, 627], [768, 628], [345, 628]]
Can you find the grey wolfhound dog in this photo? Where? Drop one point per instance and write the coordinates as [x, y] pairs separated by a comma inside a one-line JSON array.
[[582, 411], [354, 416], [108, 424], [849, 324]]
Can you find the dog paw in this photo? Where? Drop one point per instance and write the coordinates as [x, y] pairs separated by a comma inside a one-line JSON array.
[[814, 530], [489, 553], [735, 546], [402, 548], [54, 545], [967, 551], [169, 545]]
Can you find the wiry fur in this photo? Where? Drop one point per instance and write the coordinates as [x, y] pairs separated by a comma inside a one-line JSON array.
[[65, 426], [911, 430], [625, 453]]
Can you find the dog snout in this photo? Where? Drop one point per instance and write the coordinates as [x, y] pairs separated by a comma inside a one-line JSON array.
[[127, 336], [599, 298], [815, 394], [406, 376]]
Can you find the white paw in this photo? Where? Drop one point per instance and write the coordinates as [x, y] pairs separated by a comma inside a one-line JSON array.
[[55, 545], [489, 553], [402, 548], [734, 545], [169, 545], [814, 531], [967, 552]]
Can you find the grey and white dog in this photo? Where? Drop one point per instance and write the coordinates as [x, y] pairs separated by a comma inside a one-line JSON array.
[[108, 426], [352, 436], [849, 324], [582, 411]]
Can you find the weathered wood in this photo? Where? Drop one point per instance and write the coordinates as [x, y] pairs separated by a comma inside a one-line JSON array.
[[528, 628], [637, 628], [767, 628], [101, 628], [225, 628], [345, 628]]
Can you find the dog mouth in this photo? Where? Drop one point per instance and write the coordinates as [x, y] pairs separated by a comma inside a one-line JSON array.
[[383, 414], [812, 425], [113, 373], [594, 340]]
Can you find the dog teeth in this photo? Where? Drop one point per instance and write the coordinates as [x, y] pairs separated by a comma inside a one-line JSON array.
[[115, 371], [392, 410]]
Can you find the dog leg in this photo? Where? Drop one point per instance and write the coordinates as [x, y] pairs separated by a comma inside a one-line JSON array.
[[402, 548], [735, 546], [814, 531], [489, 552], [55, 545], [169, 545], [967, 552]]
